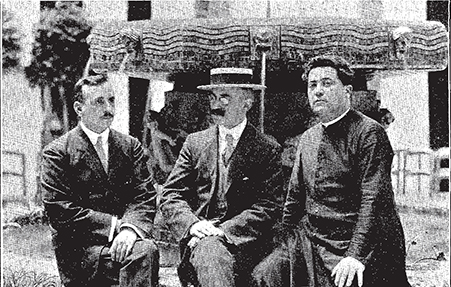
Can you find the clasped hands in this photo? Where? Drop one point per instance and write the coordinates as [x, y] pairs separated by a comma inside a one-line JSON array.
[[202, 229], [345, 271]]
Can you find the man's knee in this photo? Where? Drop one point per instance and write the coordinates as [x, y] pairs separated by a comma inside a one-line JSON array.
[[141, 266], [211, 250], [145, 246], [274, 270], [146, 249]]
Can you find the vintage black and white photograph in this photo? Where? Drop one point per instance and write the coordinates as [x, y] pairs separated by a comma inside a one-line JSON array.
[[225, 143]]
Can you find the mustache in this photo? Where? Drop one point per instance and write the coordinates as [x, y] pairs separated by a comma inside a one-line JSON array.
[[108, 114], [218, 112]]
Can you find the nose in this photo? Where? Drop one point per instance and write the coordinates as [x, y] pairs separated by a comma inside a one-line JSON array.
[[216, 103], [319, 91], [109, 107]]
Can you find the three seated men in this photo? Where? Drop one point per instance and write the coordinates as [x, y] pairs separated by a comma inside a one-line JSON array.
[[223, 199]]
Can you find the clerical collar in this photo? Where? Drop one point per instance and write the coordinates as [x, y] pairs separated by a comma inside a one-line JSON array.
[[336, 119], [93, 136], [236, 131]]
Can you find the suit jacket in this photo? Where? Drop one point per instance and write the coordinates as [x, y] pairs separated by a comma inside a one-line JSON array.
[[254, 176], [80, 198], [341, 197]]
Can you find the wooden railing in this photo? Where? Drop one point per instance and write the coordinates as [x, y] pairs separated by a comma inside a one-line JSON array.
[[13, 164]]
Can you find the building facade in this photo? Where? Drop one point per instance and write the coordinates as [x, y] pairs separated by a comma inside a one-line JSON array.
[[404, 93]]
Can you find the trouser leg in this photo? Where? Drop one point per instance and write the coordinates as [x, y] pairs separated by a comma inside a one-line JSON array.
[[141, 266], [274, 270], [213, 263]]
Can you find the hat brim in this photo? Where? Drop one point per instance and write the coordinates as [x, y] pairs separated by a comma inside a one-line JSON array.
[[221, 86]]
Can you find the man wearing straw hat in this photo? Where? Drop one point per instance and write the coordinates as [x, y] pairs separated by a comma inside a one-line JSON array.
[[221, 199]]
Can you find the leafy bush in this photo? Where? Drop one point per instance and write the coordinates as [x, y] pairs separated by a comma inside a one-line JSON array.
[[10, 41], [60, 51], [35, 217]]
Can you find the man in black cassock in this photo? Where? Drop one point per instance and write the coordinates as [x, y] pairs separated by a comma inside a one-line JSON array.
[[340, 226]]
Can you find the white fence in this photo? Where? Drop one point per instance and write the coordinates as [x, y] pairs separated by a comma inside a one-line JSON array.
[[421, 178]]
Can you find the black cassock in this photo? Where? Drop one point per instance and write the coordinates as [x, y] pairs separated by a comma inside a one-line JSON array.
[[340, 202]]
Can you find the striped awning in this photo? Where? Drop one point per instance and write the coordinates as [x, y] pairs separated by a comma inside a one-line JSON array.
[[144, 47]]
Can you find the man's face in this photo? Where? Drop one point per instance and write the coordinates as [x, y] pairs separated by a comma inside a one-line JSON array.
[[230, 105], [97, 109], [328, 97]]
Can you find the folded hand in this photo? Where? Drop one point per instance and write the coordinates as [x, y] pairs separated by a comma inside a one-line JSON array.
[[346, 270], [123, 244], [205, 228]]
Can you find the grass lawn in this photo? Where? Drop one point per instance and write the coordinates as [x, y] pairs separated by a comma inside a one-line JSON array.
[[27, 253], [426, 236], [427, 245]]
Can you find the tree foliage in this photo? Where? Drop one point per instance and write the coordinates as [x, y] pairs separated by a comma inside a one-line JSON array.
[[59, 56], [60, 51], [10, 41]]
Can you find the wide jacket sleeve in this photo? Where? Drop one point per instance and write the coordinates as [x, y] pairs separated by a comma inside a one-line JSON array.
[[374, 154], [142, 208], [177, 191], [294, 206]]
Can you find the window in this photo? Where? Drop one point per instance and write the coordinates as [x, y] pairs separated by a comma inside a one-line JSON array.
[[444, 163], [138, 10]]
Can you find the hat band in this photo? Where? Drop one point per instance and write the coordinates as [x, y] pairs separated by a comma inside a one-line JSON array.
[[230, 79]]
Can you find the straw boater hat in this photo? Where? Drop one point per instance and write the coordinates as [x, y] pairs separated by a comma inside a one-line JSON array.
[[229, 78]]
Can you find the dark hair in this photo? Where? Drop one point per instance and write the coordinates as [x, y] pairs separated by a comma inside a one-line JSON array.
[[344, 71], [91, 80]]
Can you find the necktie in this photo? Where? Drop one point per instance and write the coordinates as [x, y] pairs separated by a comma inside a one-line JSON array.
[[228, 150], [101, 153]]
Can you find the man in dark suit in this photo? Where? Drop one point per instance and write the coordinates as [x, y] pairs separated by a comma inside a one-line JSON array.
[[340, 207], [220, 200], [99, 197]]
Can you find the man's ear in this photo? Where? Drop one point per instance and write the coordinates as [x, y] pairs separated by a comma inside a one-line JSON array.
[[78, 107], [248, 104], [349, 89]]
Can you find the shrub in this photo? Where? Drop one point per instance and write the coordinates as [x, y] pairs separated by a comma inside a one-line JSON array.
[[26, 278], [35, 217]]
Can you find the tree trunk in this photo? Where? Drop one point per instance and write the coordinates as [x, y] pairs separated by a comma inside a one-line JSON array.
[[51, 121], [65, 109], [46, 100]]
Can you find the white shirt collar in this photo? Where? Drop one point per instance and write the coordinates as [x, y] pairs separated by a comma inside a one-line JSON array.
[[93, 136], [236, 132], [336, 119]]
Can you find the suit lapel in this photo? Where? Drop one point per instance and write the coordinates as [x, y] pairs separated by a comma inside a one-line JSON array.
[[87, 152], [208, 166], [239, 160], [209, 157], [115, 155]]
